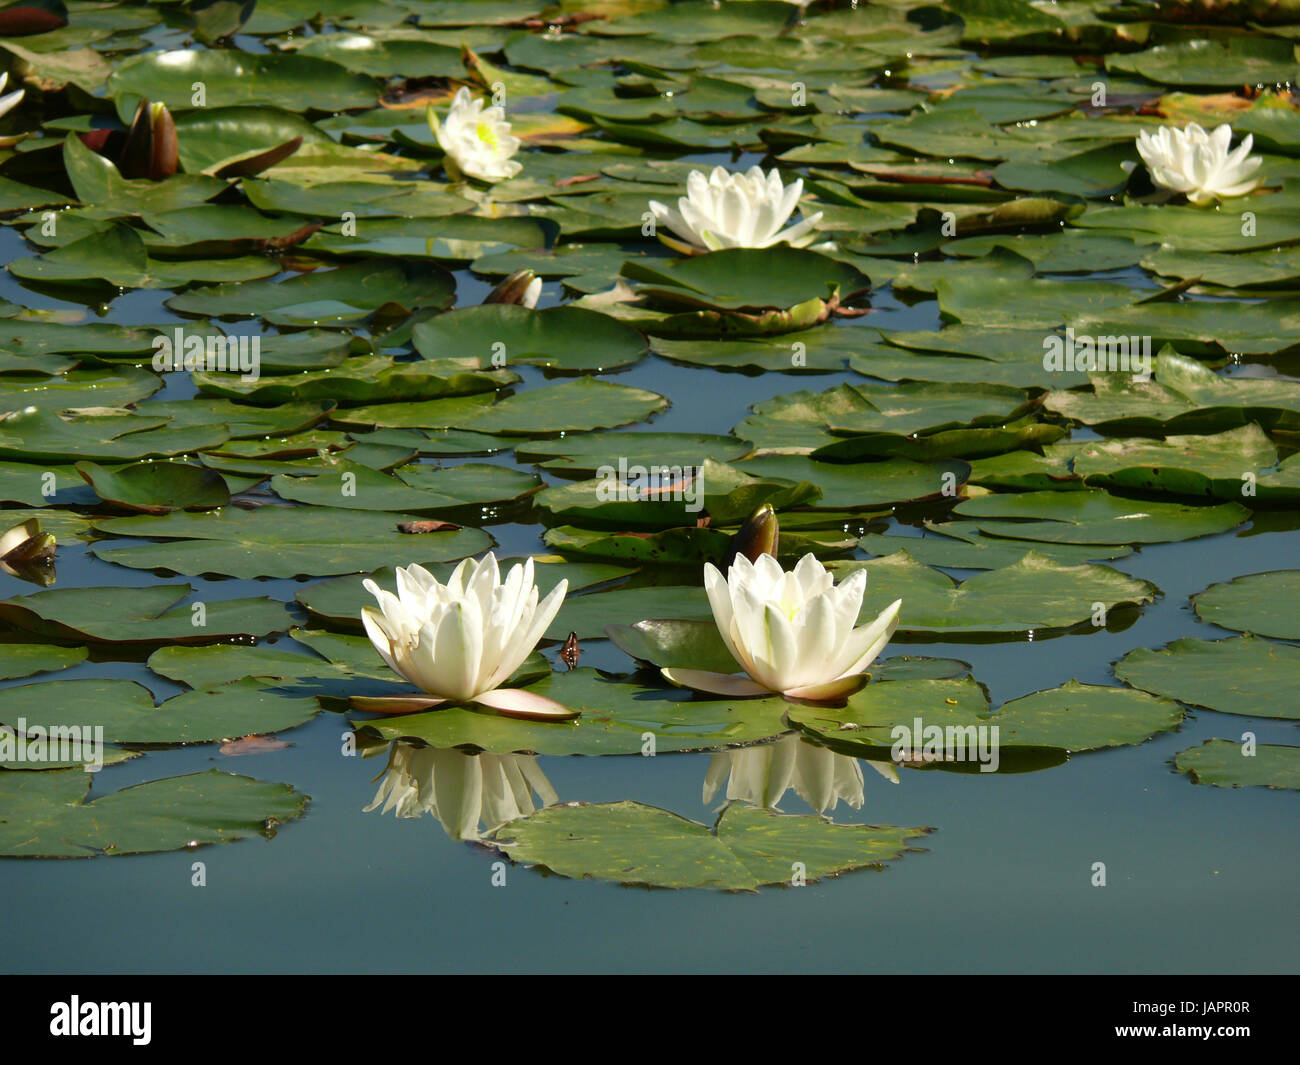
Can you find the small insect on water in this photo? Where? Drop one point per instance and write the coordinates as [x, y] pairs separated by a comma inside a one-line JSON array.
[[570, 651]]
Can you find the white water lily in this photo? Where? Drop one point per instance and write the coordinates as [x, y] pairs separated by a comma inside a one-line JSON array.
[[1197, 163], [463, 791], [477, 140], [461, 640], [11, 100], [730, 210], [762, 775], [793, 633]]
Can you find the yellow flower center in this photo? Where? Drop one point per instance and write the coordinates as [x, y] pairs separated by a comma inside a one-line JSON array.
[[487, 135]]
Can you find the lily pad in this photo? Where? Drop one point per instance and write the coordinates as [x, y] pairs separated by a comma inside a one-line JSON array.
[[558, 338], [629, 843], [747, 279], [1093, 517], [126, 712], [1260, 603], [112, 615], [157, 487], [346, 295], [1244, 675], [24, 659], [47, 815], [616, 715], [1073, 717], [1224, 764], [583, 454], [279, 542]]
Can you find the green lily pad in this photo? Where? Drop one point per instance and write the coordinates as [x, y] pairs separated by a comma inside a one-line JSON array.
[[1093, 517], [1230, 465], [42, 435], [1182, 397], [750, 279], [1229, 61], [47, 815], [975, 551], [117, 256], [864, 485], [679, 547], [728, 494], [231, 78], [456, 237], [115, 387], [1259, 603], [157, 487], [413, 488], [1031, 593], [361, 379], [1244, 675], [570, 406], [582, 454], [126, 712], [616, 715], [1073, 717], [558, 338], [1223, 764], [24, 659], [112, 615], [346, 295], [629, 843], [280, 542]]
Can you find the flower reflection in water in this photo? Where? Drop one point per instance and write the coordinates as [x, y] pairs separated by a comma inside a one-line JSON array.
[[762, 775], [470, 794]]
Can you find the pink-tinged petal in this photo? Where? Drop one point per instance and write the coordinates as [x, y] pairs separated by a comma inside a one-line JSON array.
[[393, 704], [835, 691], [705, 680], [516, 702]]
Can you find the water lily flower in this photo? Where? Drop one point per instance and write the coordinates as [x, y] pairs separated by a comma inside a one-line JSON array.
[[460, 641], [729, 210], [792, 633], [478, 142], [523, 287], [463, 791], [1197, 163], [762, 775], [11, 100]]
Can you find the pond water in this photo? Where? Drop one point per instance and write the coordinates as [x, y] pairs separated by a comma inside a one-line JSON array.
[[1196, 877]]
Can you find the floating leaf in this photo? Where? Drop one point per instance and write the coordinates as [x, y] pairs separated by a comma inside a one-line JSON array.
[[1244, 675], [1224, 764], [141, 615], [279, 542], [47, 815], [1259, 603], [630, 843]]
